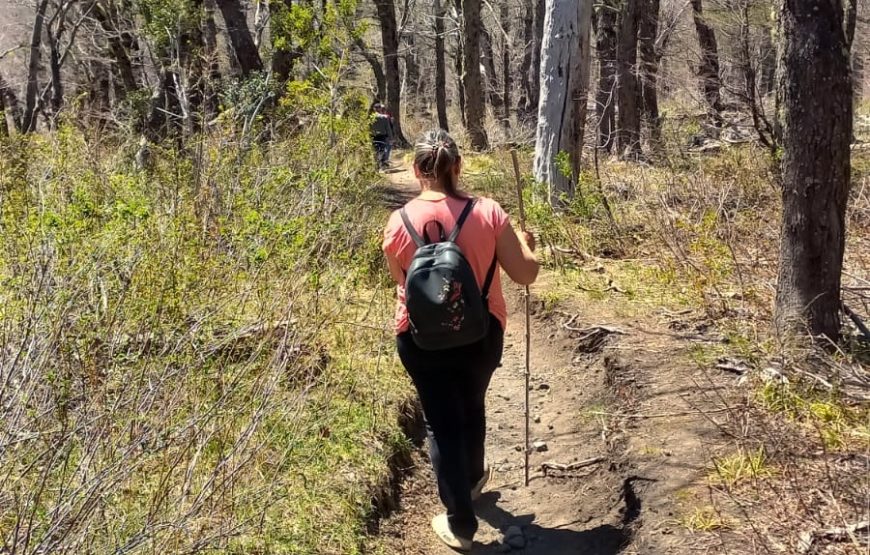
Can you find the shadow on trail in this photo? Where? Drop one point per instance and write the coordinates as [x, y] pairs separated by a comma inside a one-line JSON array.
[[393, 197], [601, 540]]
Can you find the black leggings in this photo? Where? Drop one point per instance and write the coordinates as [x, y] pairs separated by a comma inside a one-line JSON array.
[[452, 387]]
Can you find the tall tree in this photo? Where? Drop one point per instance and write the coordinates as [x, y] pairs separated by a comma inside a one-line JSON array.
[[708, 69], [440, 67], [390, 42], [115, 37], [492, 84], [243, 45], [537, 45], [605, 97], [11, 107], [529, 46], [475, 106], [816, 111], [31, 96], [628, 112], [507, 82], [377, 69], [565, 60], [458, 63], [648, 31]]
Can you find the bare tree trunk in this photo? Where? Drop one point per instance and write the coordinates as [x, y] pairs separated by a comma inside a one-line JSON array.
[[56, 101], [751, 97], [628, 113], [458, 67], [505, 18], [32, 94], [440, 67], [244, 48], [118, 51], [816, 111], [475, 107], [537, 45], [708, 70], [12, 109], [850, 21], [606, 96], [4, 125], [525, 106], [211, 102], [767, 61], [649, 59], [491, 84], [412, 74], [390, 40], [377, 69], [565, 60]]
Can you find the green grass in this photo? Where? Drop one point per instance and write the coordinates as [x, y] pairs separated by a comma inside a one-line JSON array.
[[738, 468], [703, 519], [837, 425]]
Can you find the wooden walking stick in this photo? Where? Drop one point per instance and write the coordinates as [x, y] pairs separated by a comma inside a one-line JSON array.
[[527, 297]]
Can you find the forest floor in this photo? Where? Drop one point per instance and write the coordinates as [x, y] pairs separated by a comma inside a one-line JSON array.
[[630, 425]]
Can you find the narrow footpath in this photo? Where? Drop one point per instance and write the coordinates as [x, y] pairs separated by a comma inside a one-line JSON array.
[[624, 426]]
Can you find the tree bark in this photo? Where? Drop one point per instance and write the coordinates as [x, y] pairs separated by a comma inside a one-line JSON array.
[[537, 45], [525, 105], [30, 107], [54, 62], [816, 111], [377, 69], [475, 107], [412, 74], [390, 40], [12, 109], [459, 68], [649, 65], [606, 96], [211, 102], [491, 84], [4, 125], [708, 69], [440, 67], [767, 61], [241, 40], [507, 83], [628, 113], [118, 51], [565, 60]]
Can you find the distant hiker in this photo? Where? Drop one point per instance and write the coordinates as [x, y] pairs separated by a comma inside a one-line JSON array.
[[444, 249], [382, 135]]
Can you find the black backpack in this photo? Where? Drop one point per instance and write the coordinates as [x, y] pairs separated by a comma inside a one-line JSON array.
[[446, 308]]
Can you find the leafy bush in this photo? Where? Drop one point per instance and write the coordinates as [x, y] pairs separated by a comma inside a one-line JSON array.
[[194, 358]]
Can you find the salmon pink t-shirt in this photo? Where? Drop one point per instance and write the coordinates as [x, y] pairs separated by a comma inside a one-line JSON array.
[[477, 241]]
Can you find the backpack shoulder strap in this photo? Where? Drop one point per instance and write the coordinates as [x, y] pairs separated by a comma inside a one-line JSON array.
[[462, 217], [490, 275], [411, 231]]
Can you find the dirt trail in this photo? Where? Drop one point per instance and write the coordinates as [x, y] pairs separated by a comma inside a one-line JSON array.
[[603, 387]]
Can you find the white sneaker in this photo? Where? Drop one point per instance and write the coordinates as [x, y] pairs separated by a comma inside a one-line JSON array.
[[446, 535], [477, 490]]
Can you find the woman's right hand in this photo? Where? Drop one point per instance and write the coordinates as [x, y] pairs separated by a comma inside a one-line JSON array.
[[515, 251], [529, 239]]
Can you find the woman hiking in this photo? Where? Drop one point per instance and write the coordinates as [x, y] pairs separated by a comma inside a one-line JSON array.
[[444, 249]]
